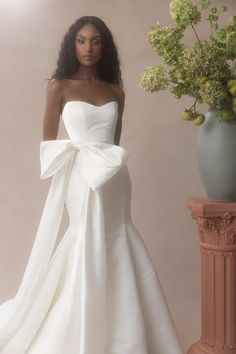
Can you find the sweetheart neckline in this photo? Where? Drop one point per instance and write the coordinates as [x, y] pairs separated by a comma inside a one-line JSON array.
[[90, 104]]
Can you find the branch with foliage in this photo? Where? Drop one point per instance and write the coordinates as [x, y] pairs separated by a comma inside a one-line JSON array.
[[206, 70]]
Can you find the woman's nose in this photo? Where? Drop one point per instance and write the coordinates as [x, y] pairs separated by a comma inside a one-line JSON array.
[[88, 45]]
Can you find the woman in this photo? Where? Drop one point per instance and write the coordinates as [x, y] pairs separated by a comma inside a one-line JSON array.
[[98, 293]]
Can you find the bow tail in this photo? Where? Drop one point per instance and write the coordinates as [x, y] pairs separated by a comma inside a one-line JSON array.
[[89, 306], [13, 311]]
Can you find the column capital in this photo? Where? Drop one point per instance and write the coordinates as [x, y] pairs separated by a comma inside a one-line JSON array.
[[216, 223]]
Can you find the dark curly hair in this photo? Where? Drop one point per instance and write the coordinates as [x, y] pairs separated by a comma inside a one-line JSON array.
[[109, 64]]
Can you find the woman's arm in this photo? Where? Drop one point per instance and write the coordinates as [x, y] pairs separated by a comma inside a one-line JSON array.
[[121, 102], [52, 110]]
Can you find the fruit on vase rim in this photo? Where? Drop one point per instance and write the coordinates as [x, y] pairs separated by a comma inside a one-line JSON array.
[[226, 114]]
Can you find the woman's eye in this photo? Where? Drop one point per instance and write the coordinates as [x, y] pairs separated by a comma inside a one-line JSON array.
[[82, 41]]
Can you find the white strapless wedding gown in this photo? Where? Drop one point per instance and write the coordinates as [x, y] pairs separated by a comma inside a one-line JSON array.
[[98, 292]]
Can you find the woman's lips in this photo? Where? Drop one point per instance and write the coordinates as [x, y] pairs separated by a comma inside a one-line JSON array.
[[88, 56]]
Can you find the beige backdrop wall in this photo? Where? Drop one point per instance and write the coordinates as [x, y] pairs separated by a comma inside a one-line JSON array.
[[163, 164]]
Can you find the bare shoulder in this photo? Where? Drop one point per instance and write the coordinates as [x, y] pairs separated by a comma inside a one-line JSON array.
[[119, 92], [55, 86]]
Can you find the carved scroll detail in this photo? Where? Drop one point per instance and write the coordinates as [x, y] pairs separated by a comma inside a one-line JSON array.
[[220, 230]]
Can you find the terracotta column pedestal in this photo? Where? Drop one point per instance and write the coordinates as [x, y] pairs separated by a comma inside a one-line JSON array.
[[216, 223]]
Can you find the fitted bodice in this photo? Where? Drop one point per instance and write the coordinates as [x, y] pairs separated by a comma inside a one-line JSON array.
[[87, 122]]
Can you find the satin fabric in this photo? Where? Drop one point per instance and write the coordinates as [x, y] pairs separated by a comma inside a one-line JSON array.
[[99, 291]]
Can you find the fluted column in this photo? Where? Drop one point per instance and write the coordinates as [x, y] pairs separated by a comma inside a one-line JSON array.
[[216, 223]]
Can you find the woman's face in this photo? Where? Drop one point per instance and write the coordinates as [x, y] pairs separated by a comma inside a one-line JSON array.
[[88, 43]]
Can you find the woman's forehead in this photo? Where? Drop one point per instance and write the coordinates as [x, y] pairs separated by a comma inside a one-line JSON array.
[[88, 29]]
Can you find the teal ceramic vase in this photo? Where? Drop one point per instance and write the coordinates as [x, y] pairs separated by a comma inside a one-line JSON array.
[[216, 153]]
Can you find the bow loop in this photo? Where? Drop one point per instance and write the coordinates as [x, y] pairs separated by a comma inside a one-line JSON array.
[[53, 156]]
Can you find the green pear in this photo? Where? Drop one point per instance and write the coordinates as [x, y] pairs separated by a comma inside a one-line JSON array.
[[231, 83], [233, 90], [186, 115], [226, 115], [199, 119]]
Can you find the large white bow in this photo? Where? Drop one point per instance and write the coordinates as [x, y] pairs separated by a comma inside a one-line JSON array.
[[98, 161]]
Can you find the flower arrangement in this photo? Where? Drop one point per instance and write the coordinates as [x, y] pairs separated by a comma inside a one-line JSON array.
[[206, 70]]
